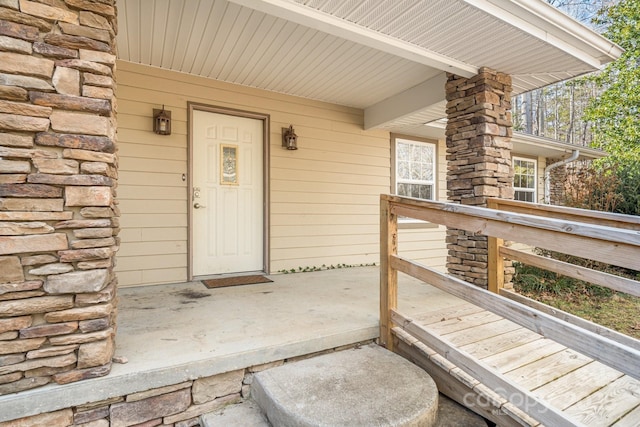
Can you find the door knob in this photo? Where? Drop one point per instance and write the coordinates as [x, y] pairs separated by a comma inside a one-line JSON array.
[[198, 206]]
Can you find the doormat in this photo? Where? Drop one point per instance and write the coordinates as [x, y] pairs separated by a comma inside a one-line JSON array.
[[235, 281]]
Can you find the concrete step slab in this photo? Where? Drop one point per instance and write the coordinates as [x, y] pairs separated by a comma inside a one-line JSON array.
[[367, 386], [249, 414], [245, 414]]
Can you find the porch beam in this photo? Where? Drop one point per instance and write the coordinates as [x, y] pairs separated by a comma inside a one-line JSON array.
[[320, 21], [406, 103]]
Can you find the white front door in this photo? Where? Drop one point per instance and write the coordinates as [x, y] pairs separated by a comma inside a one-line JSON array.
[[227, 196]]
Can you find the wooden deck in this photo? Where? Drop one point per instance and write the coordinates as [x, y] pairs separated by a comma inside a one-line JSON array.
[[586, 391], [513, 360]]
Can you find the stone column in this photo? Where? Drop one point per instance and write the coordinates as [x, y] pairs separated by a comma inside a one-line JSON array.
[[479, 131], [58, 172]]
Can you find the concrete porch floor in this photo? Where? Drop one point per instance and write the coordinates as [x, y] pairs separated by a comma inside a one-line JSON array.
[[179, 332]]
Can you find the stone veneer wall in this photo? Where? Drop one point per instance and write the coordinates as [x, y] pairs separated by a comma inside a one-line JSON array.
[[58, 171], [557, 180], [479, 131], [178, 405], [563, 178]]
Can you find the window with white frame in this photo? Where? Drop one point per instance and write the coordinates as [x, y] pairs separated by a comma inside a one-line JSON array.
[[524, 179], [415, 169]]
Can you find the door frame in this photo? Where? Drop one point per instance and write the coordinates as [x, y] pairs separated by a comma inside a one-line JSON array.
[[265, 118]]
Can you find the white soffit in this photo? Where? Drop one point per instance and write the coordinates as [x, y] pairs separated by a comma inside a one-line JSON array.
[[352, 31], [367, 54], [528, 39], [224, 41]]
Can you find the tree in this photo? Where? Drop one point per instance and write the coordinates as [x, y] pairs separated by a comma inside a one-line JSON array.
[[557, 110], [602, 109], [582, 10], [615, 114]]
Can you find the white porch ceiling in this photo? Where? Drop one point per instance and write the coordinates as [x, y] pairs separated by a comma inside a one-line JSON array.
[[369, 54]]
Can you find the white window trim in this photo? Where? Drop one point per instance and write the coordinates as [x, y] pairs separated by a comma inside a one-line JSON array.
[[411, 222], [533, 190]]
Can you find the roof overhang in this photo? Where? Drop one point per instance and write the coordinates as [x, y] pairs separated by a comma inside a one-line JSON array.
[[347, 30], [537, 146], [545, 22], [387, 58]]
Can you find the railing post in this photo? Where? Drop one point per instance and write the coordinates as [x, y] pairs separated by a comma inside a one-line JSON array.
[[495, 261], [388, 275]]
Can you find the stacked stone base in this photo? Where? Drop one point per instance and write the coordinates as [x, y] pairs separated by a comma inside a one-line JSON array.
[[58, 177], [468, 256], [178, 405], [60, 338]]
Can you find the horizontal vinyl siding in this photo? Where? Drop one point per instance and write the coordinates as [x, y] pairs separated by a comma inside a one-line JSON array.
[[151, 191], [324, 196]]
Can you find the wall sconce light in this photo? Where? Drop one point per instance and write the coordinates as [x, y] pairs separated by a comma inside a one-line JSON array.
[[162, 121], [289, 138]]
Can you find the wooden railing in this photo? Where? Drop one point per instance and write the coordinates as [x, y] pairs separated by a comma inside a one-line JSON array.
[[625, 222], [570, 231], [497, 252], [608, 219]]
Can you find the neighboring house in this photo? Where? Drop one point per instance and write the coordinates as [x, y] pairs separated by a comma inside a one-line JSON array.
[[534, 160], [220, 194]]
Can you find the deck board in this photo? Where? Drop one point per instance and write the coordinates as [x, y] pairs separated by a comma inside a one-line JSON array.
[[630, 419], [500, 343], [519, 356], [481, 332], [548, 369], [608, 404], [444, 314], [588, 391], [461, 323], [565, 391]]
